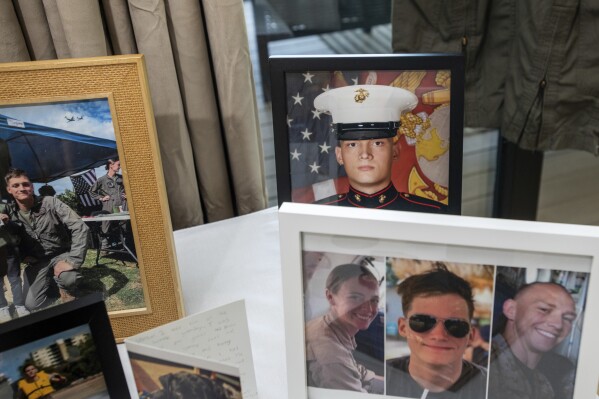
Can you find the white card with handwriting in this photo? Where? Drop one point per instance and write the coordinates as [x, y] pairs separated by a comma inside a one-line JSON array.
[[219, 335]]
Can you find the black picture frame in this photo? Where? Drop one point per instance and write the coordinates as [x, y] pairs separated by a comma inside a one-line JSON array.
[[89, 310], [295, 181]]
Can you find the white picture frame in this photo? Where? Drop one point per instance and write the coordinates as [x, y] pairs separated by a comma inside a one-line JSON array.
[[445, 238]]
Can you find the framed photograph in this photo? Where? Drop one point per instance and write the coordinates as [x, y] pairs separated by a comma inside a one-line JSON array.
[[375, 300], [67, 351], [329, 113], [83, 132], [161, 373], [216, 340]]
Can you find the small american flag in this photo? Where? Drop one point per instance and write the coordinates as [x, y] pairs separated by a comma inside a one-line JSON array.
[[314, 168], [82, 183]]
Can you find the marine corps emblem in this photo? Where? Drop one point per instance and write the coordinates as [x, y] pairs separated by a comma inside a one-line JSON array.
[[361, 95]]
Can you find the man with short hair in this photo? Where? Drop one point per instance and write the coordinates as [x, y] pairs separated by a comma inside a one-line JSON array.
[[366, 119], [523, 366], [37, 384], [437, 306], [53, 241]]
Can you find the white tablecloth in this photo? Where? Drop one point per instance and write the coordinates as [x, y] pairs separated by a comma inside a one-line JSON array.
[[236, 259]]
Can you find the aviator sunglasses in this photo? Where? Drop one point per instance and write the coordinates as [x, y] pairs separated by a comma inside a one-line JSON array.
[[421, 323]]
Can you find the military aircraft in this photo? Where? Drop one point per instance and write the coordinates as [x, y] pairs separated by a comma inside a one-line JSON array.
[[71, 119]]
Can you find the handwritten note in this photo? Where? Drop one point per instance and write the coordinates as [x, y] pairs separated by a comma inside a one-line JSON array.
[[220, 335]]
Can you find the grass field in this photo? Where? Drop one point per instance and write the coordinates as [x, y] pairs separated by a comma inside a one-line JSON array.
[[117, 276]]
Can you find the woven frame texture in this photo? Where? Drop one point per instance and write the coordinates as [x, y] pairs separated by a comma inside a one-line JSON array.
[[124, 80]]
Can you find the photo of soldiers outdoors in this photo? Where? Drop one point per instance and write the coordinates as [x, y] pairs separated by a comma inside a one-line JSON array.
[[64, 242]]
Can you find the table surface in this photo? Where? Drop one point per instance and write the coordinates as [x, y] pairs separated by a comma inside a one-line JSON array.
[[107, 217], [235, 259]]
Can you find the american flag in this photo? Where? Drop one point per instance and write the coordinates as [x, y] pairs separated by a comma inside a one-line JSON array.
[[314, 168], [82, 183], [315, 173]]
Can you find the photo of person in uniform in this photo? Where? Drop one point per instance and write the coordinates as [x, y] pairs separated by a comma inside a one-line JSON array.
[[366, 120], [438, 306], [536, 318], [415, 108], [110, 191], [53, 238], [65, 148], [109, 188], [333, 360]]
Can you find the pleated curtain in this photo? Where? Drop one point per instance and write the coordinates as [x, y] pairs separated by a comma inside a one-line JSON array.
[[200, 75]]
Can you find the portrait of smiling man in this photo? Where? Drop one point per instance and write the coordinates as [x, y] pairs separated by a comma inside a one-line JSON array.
[[366, 119], [334, 359], [523, 365], [437, 308]]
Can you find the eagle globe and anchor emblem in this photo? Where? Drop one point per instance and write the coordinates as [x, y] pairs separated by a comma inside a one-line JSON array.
[[361, 95]]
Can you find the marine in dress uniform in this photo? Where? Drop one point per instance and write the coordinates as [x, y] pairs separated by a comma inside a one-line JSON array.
[[366, 119], [388, 198]]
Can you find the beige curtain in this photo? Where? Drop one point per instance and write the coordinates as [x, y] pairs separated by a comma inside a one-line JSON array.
[[201, 81]]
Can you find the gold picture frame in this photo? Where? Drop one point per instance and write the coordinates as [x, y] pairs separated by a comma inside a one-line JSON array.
[[122, 81]]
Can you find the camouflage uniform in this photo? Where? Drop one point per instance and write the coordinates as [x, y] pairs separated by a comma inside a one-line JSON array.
[[113, 187], [329, 357], [509, 378], [52, 233]]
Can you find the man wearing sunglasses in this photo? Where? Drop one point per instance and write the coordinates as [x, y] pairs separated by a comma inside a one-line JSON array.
[[437, 306], [523, 365]]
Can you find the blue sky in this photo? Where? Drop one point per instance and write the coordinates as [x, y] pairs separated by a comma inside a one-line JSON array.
[[12, 359], [96, 121]]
